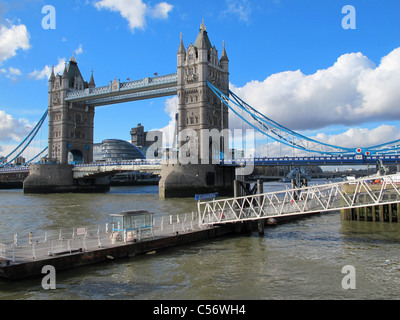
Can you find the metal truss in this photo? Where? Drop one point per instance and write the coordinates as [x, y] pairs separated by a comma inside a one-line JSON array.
[[135, 96], [314, 199], [117, 92], [108, 168]]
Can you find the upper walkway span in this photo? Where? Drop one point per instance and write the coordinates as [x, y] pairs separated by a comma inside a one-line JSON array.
[[118, 92]]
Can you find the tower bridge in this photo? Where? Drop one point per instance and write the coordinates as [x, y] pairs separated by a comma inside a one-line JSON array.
[[201, 83], [71, 110]]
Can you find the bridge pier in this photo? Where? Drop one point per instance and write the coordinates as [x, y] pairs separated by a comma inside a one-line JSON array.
[[58, 178], [179, 180]]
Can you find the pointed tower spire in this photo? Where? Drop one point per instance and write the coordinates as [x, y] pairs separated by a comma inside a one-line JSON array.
[[52, 75], [224, 56], [92, 84], [73, 59], [65, 74], [202, 41], [181, 46], [202, 26]]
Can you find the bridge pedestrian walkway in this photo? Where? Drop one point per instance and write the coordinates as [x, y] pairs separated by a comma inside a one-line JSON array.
[[330, 197]]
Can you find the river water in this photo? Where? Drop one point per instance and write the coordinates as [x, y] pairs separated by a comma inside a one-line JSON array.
[[302, 259]]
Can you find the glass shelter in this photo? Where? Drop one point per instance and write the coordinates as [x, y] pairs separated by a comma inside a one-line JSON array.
[[131, 225]]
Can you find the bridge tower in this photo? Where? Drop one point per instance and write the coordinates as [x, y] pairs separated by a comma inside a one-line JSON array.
[[202, 119], [70, 138], [70, 124]]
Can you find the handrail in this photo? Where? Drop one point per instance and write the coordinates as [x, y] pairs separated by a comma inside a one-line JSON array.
[[375, 190]]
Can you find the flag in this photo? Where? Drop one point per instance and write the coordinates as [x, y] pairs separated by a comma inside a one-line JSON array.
[[156, 74]]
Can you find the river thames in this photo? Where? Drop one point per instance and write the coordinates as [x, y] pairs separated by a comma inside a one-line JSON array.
[[302, 259]]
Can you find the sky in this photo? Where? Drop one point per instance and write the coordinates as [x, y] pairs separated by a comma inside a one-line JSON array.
[[313, 66]]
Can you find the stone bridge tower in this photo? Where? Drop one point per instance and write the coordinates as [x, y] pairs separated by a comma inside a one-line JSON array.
[[70, 138], [70, 124], [201, 120]]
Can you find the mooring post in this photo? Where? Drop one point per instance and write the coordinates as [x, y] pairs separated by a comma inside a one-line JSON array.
[[261, 222], [236, 189]]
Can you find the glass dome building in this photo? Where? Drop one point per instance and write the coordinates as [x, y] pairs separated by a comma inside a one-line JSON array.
[[119, 150]]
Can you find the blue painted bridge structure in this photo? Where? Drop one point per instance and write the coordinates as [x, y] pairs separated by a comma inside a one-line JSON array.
[[317, 160]]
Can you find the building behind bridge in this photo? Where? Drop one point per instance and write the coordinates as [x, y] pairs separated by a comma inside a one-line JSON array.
[[112, 150], [143, 140]]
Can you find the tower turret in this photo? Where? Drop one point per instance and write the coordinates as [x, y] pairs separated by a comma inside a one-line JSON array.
[[92, 84], [52, 75]]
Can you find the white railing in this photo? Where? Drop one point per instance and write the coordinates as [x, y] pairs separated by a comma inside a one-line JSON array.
[[36, 246], [146, 83], [320, 198]]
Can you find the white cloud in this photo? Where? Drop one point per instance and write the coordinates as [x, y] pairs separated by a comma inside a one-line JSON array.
[[79, 50], [11, 73], [14, 71], [241, 8], [12, 39], [46, 71], [135, 11], [362, 137], [161, 10], [12, 129], [351, 92], [132, 10]]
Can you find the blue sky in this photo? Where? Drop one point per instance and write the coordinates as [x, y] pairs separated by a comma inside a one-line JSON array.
[[292, 59]]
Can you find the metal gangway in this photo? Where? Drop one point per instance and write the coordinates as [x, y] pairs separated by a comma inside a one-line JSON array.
[[364, 192]]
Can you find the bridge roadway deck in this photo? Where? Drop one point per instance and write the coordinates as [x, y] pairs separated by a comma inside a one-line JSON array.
[[104, 169], [155, 165]]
